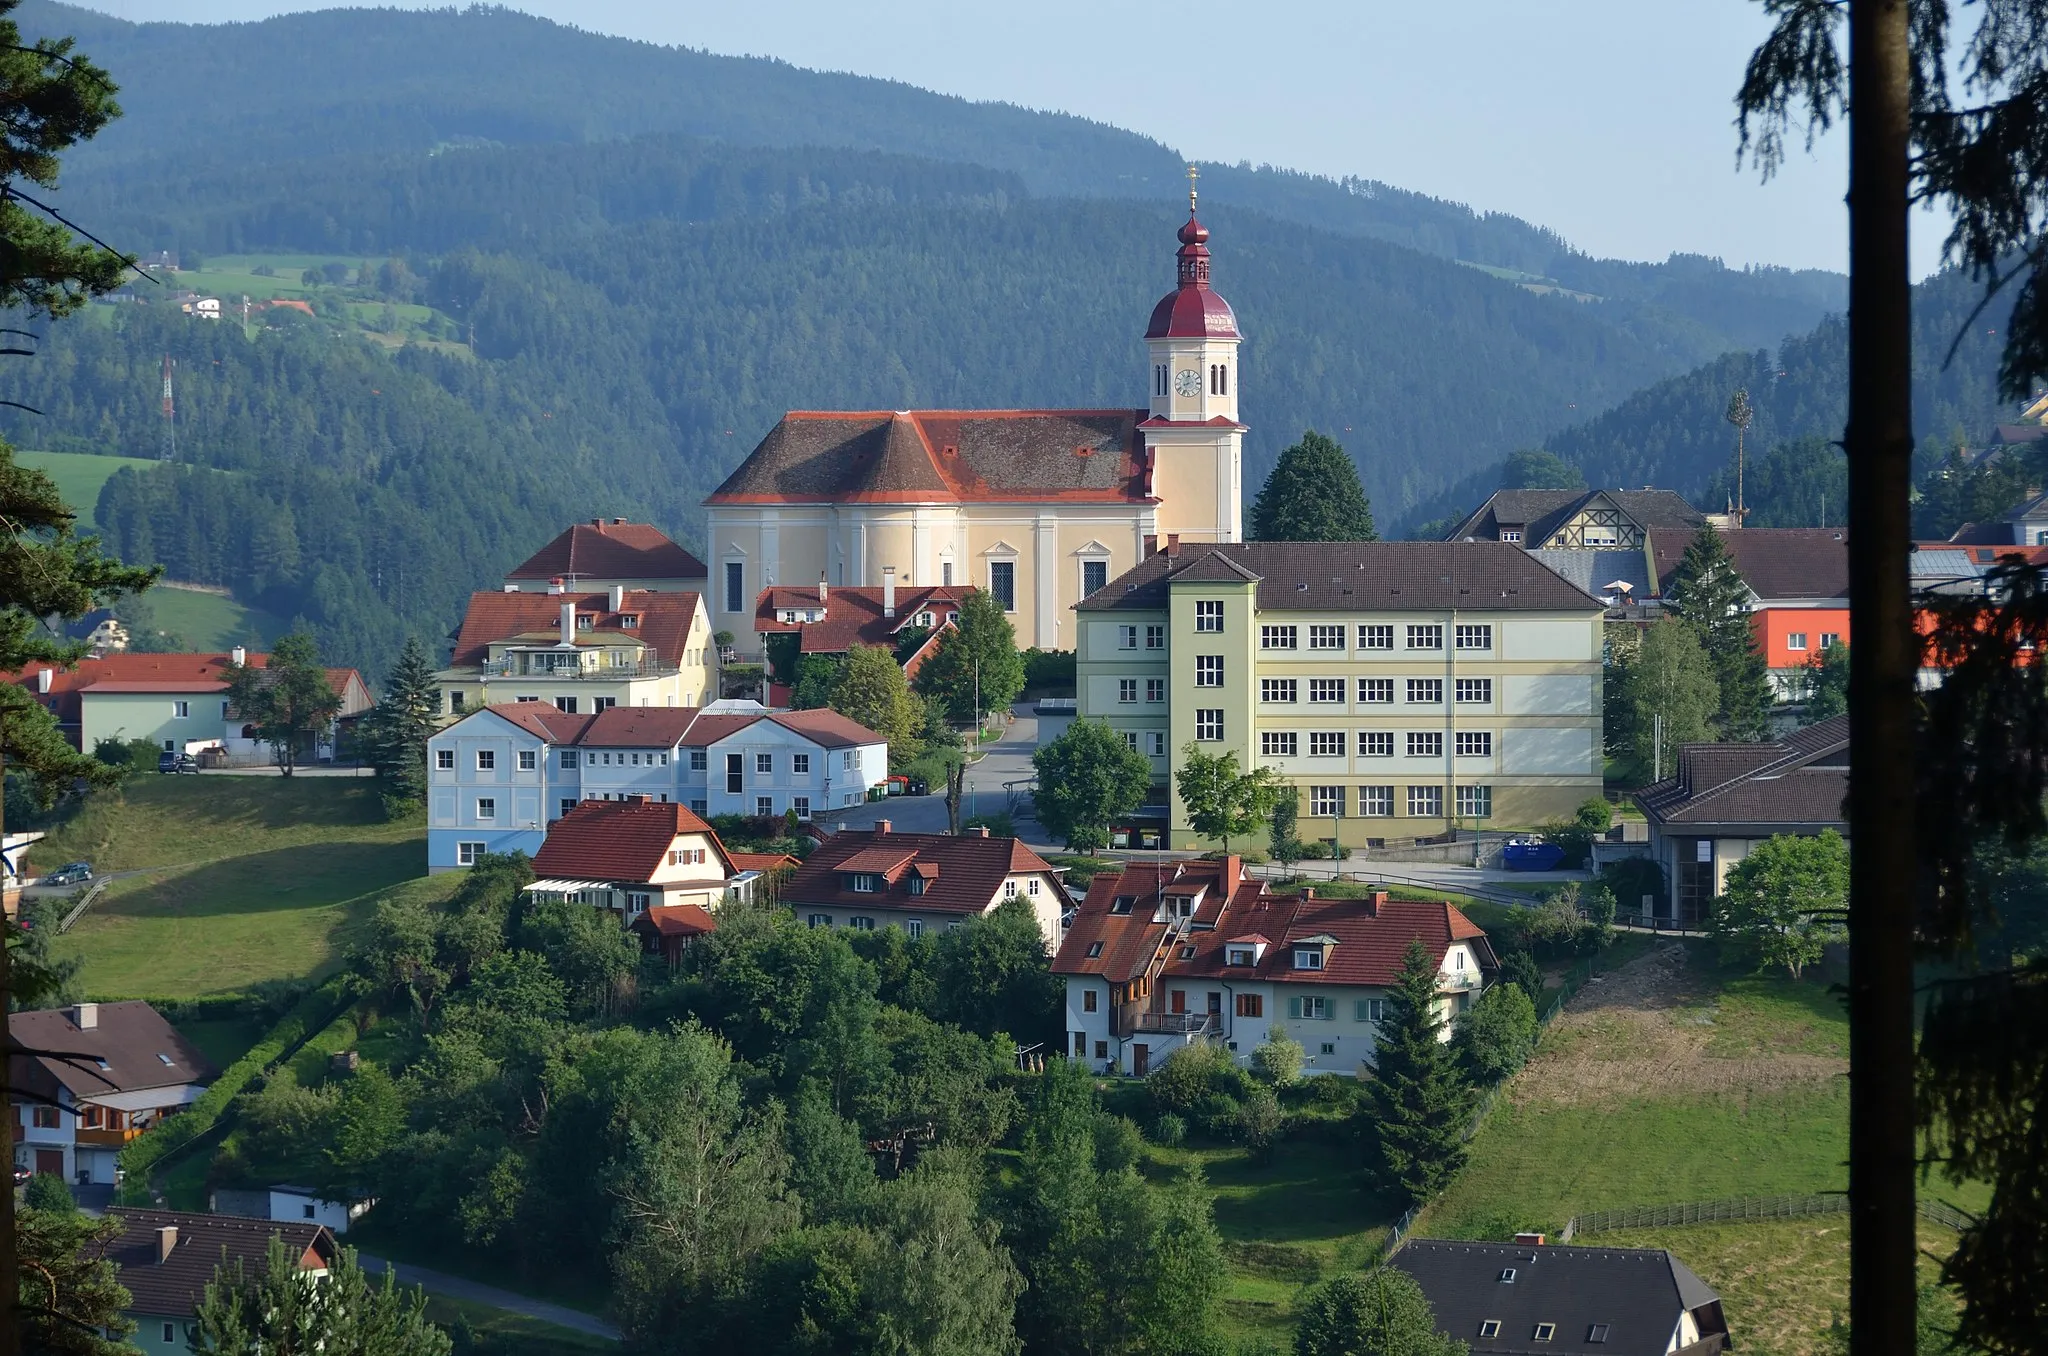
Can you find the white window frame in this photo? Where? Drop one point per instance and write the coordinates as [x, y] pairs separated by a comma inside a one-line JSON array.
[[1425, 636], [1375, 802], [444, 760], [1475, 636], [1425, 743], [1209, 724], [1278, 743], [1326, 802], [467, 853], [1426, 801], [1326, 744], [529, 760], [1375, 692], [487, 808], [1208, 670], [1209, 616], [1475, 743]]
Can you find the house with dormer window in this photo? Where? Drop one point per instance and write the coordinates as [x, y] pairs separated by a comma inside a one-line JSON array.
[[921, 882], [126, 1068], [832, 620], [1167, 954], [635, 857]]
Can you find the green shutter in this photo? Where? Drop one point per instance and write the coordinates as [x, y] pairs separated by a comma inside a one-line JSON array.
[[1362, 1010], [1294, 1008]]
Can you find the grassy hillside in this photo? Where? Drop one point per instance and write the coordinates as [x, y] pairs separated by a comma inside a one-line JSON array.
[[79, 477], [241, 880], [210, 621]]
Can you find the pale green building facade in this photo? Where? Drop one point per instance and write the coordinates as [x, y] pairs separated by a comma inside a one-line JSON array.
[[1403, 688]]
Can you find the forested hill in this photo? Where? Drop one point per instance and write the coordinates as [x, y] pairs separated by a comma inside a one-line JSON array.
[[369, 82]]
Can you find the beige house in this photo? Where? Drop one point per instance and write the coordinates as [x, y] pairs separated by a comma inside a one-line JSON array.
[[1039, 507], [581, 652]]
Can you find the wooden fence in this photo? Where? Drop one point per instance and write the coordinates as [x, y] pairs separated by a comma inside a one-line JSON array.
[[1738, 1208]]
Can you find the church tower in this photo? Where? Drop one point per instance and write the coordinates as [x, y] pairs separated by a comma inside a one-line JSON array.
[[1192, 437]]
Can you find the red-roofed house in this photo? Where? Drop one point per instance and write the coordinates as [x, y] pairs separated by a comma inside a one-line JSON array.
[[582, 652], [604, 553], [866, 879], [1039, 507], [1168, 953], [631, 856], [1798, 579], [832, 621], [176, 701]]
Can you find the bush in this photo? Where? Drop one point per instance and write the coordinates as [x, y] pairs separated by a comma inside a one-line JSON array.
[[1630, 879], [1495, 1035], [1188, 1076], [46, 1191], [1048, 670], [1118, 1145], [1278, 1058], [1259, 1123], [1594, 815], [1169, 1131], [999, 825]]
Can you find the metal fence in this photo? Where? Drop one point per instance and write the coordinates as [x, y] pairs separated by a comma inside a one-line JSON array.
[[1738, 1208]]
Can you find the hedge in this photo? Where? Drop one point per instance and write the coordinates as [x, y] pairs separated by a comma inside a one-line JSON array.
[[311, 1058], [313, 1011]]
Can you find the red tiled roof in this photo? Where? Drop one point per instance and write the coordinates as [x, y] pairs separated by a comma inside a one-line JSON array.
[[825, 728], [664, 621], [659, 727], [945, 456], [1372, 934], [125, 672], [853, 616], [610, 550], [639, 727], [972, 870], [620, 840], [761, 861], [543, 720], [679, 920]]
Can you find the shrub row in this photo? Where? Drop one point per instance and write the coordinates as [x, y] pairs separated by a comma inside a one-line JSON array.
[[316, 1009]]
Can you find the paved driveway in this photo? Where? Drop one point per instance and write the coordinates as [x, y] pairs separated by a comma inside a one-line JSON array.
[[455, 1287], [1004, 763]]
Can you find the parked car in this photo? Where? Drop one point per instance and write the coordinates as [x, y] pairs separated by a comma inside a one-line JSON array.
[[71, 873], [176, 762]]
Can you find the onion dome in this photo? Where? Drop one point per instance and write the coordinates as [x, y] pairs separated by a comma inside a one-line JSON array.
[[1192, 310]]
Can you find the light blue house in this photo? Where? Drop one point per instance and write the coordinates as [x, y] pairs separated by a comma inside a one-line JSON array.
[[499, 776]]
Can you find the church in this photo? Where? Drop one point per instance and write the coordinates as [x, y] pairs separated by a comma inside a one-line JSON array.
[[1039, 507]]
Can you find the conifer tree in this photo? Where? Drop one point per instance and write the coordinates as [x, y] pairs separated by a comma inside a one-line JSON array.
[[1417, 1099], [1313, 494], [1709, 594], [396, 732]]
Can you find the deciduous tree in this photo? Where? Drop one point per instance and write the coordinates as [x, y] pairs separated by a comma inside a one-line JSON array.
[[1222, 801], [1086, 779], [1785, 900], [1313, 494], [1417, 1100], [1671, 677], [870, 691], [1382, 1313], [1827, 685], [1496, 1034], [289, 700], [977, 667]]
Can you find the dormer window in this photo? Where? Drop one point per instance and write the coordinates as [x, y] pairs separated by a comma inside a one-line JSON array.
[[584, 621], [1513, 534], [864, 883], [1308, 958], [1238, 955], [917, 885], [1122, 903], [629, 621], [924, 619]]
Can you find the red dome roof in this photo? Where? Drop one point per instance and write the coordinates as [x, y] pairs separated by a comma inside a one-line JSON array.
[[1192, 310]]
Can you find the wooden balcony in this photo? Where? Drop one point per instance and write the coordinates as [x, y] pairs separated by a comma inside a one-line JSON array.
[[106, 1139]]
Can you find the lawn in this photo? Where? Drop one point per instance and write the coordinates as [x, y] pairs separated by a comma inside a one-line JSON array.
[[253, 879], [211, 621], [222, 1039], [79, 476], [1667, 1080]]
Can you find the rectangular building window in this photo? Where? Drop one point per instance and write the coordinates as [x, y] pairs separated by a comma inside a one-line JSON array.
[[564, 805], [486, 808], [529, 760], [1155, 637], [1376, 691], [699, 759], [1794, 640], [1425, 802], [1127, 637], [466, 854], [486, 760], [800, 764], [1326, 637], [802, 806], [1426, 691], [1131, 740], [1155, 743], [1326, 802], [1278, 743], [1425, 744], [1208, 670], [567, 759], [1376, 802], [1002, 583], [1475, 743], [181, 710], [1127, 689], [1278, 637], [1375, 744], [1426, 637], [764, 806], [1326, 689], [1251, 1005], [1475, 637], [1155, 689], [735, 586], [1209, 616], [1475, 691], [1094, 576], [1209, 723], [1326, 743], [1277, 689], [1475, 802], [1315, 1007], [566, 705], [1375, 636], [444, 759], [764, 764], [1827, 638]]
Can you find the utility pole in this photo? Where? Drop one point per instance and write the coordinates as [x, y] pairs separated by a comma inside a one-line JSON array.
[[169, 450], [1657, 748], [1740, 414]]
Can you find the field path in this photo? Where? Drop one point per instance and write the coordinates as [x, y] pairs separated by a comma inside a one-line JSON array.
[[475, 1292]]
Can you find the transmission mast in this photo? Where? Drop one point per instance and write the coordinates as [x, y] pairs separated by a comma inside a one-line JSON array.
[[169, 451]]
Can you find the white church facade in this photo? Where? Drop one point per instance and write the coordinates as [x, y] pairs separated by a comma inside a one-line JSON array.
[[1039, 507]]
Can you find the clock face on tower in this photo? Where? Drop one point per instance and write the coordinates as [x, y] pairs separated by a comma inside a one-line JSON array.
[[1187, 382]]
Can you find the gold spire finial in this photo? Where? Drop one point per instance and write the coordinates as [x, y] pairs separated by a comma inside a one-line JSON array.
[[1193, 174]]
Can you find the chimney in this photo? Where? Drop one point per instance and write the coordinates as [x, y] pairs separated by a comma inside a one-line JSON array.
[[1530, 1240], [888, 590], [821, 586], [1308, 892], [642, 798], [87, 1016], [568, 623], [883, 826], [618, 596], [1173, 543], [597, 523], [979, 831], [510, 588], [556, 585], [1151, 546], [45, 679], [1374, 902], [166, 1241], [617, 521], [239, 655]]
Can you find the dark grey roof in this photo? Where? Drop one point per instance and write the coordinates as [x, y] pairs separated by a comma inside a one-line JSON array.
[[1778, 563], [1797, 781], [1538, 513], [139, 1048], [1353, 576], [174, 1286], [1594, 570], [1639, 1293]]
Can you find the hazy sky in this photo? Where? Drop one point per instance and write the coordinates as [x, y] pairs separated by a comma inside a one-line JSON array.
[[1610, 121]]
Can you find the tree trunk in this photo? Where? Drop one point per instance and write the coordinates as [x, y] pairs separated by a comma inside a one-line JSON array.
[[10, 1264], [1883, 661]]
